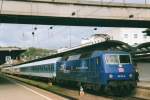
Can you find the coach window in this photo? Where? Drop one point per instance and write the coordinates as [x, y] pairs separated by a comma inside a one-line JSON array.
[[46, 68], [30, 69], [52, 67], [49, 66], [37, 68], [33, 68], [41, 68]]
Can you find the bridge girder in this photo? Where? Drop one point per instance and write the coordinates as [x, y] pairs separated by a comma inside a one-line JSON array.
[[74, 13]]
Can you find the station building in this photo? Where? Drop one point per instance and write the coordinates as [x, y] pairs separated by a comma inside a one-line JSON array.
[[132, 36]]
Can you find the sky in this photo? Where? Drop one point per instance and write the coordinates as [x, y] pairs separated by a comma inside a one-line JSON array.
[[46, 36], [59, 36]]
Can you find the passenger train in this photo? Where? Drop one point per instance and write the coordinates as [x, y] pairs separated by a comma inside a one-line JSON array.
[[98, 70]]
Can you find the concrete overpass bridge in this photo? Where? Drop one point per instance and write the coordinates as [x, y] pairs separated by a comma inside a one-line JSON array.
[[75, 12]]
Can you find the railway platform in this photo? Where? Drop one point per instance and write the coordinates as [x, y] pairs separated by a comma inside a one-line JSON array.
[[144, 84], [143, 90], [14, 90]]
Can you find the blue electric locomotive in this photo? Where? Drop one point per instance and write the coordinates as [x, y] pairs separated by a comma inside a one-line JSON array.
[[109, 70]]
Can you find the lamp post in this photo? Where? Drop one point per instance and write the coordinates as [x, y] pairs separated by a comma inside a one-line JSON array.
[[50, 28], [124, 1], [145, 1], [70, 37], [33, 39]]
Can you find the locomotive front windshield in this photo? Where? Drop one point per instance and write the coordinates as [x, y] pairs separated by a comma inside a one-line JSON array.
[[112, 59], [124, 59], [117, 59]]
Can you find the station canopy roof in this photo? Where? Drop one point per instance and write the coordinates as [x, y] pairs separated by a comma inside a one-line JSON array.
[[107, 45], [142, 52], [143, 48]]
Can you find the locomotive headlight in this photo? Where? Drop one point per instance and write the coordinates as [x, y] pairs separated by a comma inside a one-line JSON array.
[[130, 75], [110, 76]]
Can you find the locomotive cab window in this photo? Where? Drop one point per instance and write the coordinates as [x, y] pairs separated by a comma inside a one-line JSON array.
[[124, 59], [111, 59]]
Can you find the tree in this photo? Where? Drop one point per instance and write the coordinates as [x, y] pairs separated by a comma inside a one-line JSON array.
[[35, 53]]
